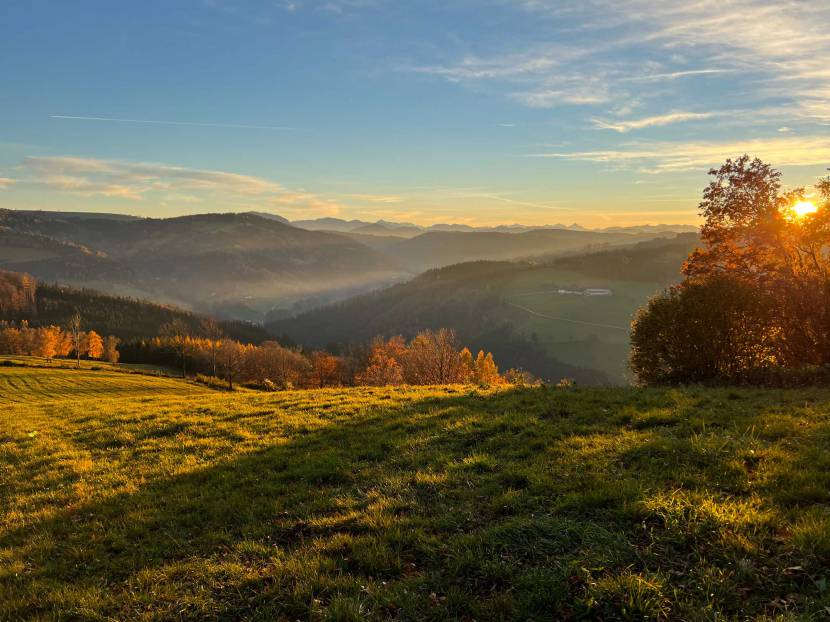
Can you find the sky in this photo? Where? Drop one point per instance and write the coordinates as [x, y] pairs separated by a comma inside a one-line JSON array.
[[596, 112]]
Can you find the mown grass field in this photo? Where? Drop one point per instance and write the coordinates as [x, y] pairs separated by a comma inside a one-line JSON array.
[[128, 497]]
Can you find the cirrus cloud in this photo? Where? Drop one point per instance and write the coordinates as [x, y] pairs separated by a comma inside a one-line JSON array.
[[666, 157]]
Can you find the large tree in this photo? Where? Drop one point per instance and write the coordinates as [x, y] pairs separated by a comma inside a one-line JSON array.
[[756, 293], [752, 232]]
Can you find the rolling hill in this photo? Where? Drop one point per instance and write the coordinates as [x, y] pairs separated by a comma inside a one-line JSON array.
[[210, 262], [443, 248], [129, 497], [244, 265], [534, 315]]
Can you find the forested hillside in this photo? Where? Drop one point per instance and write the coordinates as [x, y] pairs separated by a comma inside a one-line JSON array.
[[442, 248], [531, 315], [125, 318]]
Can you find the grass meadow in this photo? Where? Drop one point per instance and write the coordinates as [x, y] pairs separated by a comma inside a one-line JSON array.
[[133, 497]]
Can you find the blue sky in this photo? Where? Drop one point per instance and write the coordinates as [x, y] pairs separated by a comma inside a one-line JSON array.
[[598, 112]]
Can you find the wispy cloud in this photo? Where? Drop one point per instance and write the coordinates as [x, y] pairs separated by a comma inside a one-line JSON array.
[[665, 157], [5, 182], [657, 120], [376, 198], [85, 175], [576, 90], [614, 51], [165, 183], [675, 75], [184, 123], [503, 197]]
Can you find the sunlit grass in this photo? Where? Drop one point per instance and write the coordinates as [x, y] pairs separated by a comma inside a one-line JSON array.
[[131, 497]]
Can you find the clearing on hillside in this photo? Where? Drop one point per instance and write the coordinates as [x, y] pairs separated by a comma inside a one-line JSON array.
[[129, 497]]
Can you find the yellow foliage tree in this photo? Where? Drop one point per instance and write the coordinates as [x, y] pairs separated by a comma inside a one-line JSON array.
[[486, 372]]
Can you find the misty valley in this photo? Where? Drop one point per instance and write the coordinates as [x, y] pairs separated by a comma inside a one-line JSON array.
[[332, 283]]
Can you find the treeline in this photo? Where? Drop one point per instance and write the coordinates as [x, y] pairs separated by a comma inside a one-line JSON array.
[[469, 298], [21, 298], [53, 341], [432, 357], [754, 306]]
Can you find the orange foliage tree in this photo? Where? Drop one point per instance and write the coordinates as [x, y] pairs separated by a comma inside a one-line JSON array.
[[325, 369], [756, 294], [384, 366], [93, 345]]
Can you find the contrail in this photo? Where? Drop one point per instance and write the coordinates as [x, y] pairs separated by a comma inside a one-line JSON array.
[[189, 123]]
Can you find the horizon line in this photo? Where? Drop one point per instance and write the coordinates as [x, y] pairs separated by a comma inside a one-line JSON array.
[[376, 222]]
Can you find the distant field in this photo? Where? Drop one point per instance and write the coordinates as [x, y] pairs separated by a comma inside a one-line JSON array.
[[590, 331], [129, 497]]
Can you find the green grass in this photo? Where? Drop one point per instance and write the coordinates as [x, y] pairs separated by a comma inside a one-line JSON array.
[[594, 344], [17, 360], [128, 497]]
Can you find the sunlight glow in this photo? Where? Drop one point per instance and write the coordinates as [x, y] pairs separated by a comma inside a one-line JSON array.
[[804, 208]]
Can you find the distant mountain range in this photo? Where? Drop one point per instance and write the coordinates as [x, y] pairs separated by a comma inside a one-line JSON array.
[[245, 265], [408, 229]]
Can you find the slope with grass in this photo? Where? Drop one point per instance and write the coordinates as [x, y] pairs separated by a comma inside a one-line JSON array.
[[150, 501]]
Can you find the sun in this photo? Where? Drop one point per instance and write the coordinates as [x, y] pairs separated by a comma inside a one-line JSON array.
[[804, 208]]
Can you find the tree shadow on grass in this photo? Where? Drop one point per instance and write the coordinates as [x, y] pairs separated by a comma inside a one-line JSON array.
[[455, 497]]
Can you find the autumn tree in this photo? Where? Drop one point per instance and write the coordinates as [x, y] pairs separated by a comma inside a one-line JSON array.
[[64, 347], [48, 341], [274, 363], [213, 332], [10, 339], [231, 356], [753, 233], [74, 328], [756, 294], [468, 365], [111, 353], [325, 369], [433, 358], [178, 335], [486, 371], [93, 345], [384, 368]]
